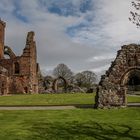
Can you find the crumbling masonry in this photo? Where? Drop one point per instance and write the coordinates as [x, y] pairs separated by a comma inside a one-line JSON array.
[[123, 73], [18, 74]]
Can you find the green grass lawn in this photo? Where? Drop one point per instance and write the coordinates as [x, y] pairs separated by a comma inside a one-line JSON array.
[[78, 124], [53, 99], [133, 99], [47, 99]]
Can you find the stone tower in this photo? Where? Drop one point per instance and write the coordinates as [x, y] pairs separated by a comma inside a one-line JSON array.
[[2, 33], [29, 63]]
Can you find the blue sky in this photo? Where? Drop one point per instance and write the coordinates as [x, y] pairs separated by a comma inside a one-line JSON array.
[[84, 34]]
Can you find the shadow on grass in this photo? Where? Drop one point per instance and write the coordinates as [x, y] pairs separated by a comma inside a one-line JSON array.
[[81, 131]]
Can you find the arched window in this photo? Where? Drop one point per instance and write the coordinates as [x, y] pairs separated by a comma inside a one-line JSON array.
[[16, 67]]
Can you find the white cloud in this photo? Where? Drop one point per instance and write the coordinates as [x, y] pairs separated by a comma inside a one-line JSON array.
[[100, 69], [93, 46], [101, 58]]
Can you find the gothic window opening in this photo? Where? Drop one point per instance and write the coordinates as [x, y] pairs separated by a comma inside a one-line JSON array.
[[17, 68]]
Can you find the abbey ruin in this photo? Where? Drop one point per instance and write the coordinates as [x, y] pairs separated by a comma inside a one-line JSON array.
[[122, 76], [18, 74]]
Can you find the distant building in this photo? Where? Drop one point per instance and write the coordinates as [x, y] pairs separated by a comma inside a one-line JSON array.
[[18, 74]]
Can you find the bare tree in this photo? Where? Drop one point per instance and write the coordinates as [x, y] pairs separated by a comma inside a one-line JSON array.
[[62, 70], [85, 79], [78, 79], [135, 14]]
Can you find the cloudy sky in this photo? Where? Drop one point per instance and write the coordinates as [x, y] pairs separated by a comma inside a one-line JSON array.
[[83, 34]]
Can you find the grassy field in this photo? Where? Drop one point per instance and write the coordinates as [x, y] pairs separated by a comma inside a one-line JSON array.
[[53, 99], [133, 99], [78, 124], [47, 99]]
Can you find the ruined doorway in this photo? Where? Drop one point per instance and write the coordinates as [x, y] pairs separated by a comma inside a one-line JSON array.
[[131, 81], [26, 90]]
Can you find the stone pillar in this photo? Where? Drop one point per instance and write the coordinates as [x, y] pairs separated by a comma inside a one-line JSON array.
[[2, 36]]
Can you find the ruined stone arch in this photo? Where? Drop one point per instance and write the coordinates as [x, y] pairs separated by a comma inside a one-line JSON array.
[[8, 51], [135, 71], [55, 84], [123, 70]]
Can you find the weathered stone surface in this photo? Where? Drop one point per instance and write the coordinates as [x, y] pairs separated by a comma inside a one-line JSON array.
[[63, 87], [2, 36], [113, 85], [54, 85], [22, 71], [4, 81]]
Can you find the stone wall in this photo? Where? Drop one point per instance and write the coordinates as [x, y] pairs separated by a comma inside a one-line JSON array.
[[4, 81], [113, 85]]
